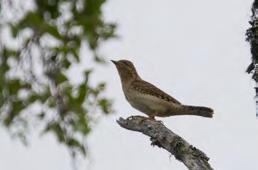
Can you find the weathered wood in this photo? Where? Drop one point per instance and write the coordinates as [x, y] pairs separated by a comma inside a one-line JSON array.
[[161, 136]]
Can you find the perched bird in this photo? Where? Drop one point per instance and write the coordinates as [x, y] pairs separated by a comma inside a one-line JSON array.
[[149, 99]]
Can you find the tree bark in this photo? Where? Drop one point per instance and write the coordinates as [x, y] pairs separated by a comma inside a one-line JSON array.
[[161, 136]]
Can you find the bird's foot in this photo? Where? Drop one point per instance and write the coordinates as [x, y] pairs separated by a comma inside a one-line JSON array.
[[153, 118]]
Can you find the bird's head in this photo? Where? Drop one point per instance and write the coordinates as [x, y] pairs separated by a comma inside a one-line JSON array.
[[126, 70]]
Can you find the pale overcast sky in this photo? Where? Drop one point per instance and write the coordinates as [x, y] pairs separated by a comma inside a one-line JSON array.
[[193, 50]]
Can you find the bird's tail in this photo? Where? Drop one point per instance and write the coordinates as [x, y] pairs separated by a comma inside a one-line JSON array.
[[198, 111]]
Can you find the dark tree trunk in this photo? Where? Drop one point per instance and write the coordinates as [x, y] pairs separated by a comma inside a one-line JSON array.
[[252, 38]]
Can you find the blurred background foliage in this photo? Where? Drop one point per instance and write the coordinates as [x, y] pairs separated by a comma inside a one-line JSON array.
[[40, 41]]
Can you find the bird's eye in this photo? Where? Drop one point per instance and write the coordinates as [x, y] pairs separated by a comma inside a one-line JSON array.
[[126, 63]]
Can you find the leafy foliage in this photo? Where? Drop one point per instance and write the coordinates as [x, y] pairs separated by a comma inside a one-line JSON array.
[[35, 88]]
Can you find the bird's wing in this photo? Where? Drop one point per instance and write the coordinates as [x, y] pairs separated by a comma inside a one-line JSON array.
[[148, 88]]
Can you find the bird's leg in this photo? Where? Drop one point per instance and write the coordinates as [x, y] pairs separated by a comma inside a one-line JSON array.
[[152, 117]]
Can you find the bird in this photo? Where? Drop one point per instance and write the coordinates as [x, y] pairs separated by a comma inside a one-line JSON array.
[[151, 100]]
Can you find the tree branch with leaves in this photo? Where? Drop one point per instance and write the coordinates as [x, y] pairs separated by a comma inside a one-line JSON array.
[[39, 43]]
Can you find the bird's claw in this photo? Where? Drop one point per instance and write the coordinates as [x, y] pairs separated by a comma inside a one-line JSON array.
[[153, 119]]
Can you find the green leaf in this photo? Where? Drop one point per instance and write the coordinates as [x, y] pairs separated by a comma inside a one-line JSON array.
[[9, 53], [87, 75], [51, 102], [33, 97], [49, 7], [74, 143], [83, 89], [105, 105], [66, 63], [61, 78], [31, 20], [83, 124], [51, 30], [15, 30], [75, 54], [14, 86], [15, 109], [58, 131]]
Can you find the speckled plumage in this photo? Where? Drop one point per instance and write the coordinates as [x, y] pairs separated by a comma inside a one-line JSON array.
[[147, 88]]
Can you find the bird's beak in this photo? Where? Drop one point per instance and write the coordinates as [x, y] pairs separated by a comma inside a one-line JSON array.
[[115, 62]]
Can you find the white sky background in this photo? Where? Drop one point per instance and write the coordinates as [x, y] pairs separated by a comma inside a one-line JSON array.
[[193, 50]]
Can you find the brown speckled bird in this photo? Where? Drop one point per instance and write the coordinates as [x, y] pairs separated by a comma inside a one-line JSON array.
[[149, 99]]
